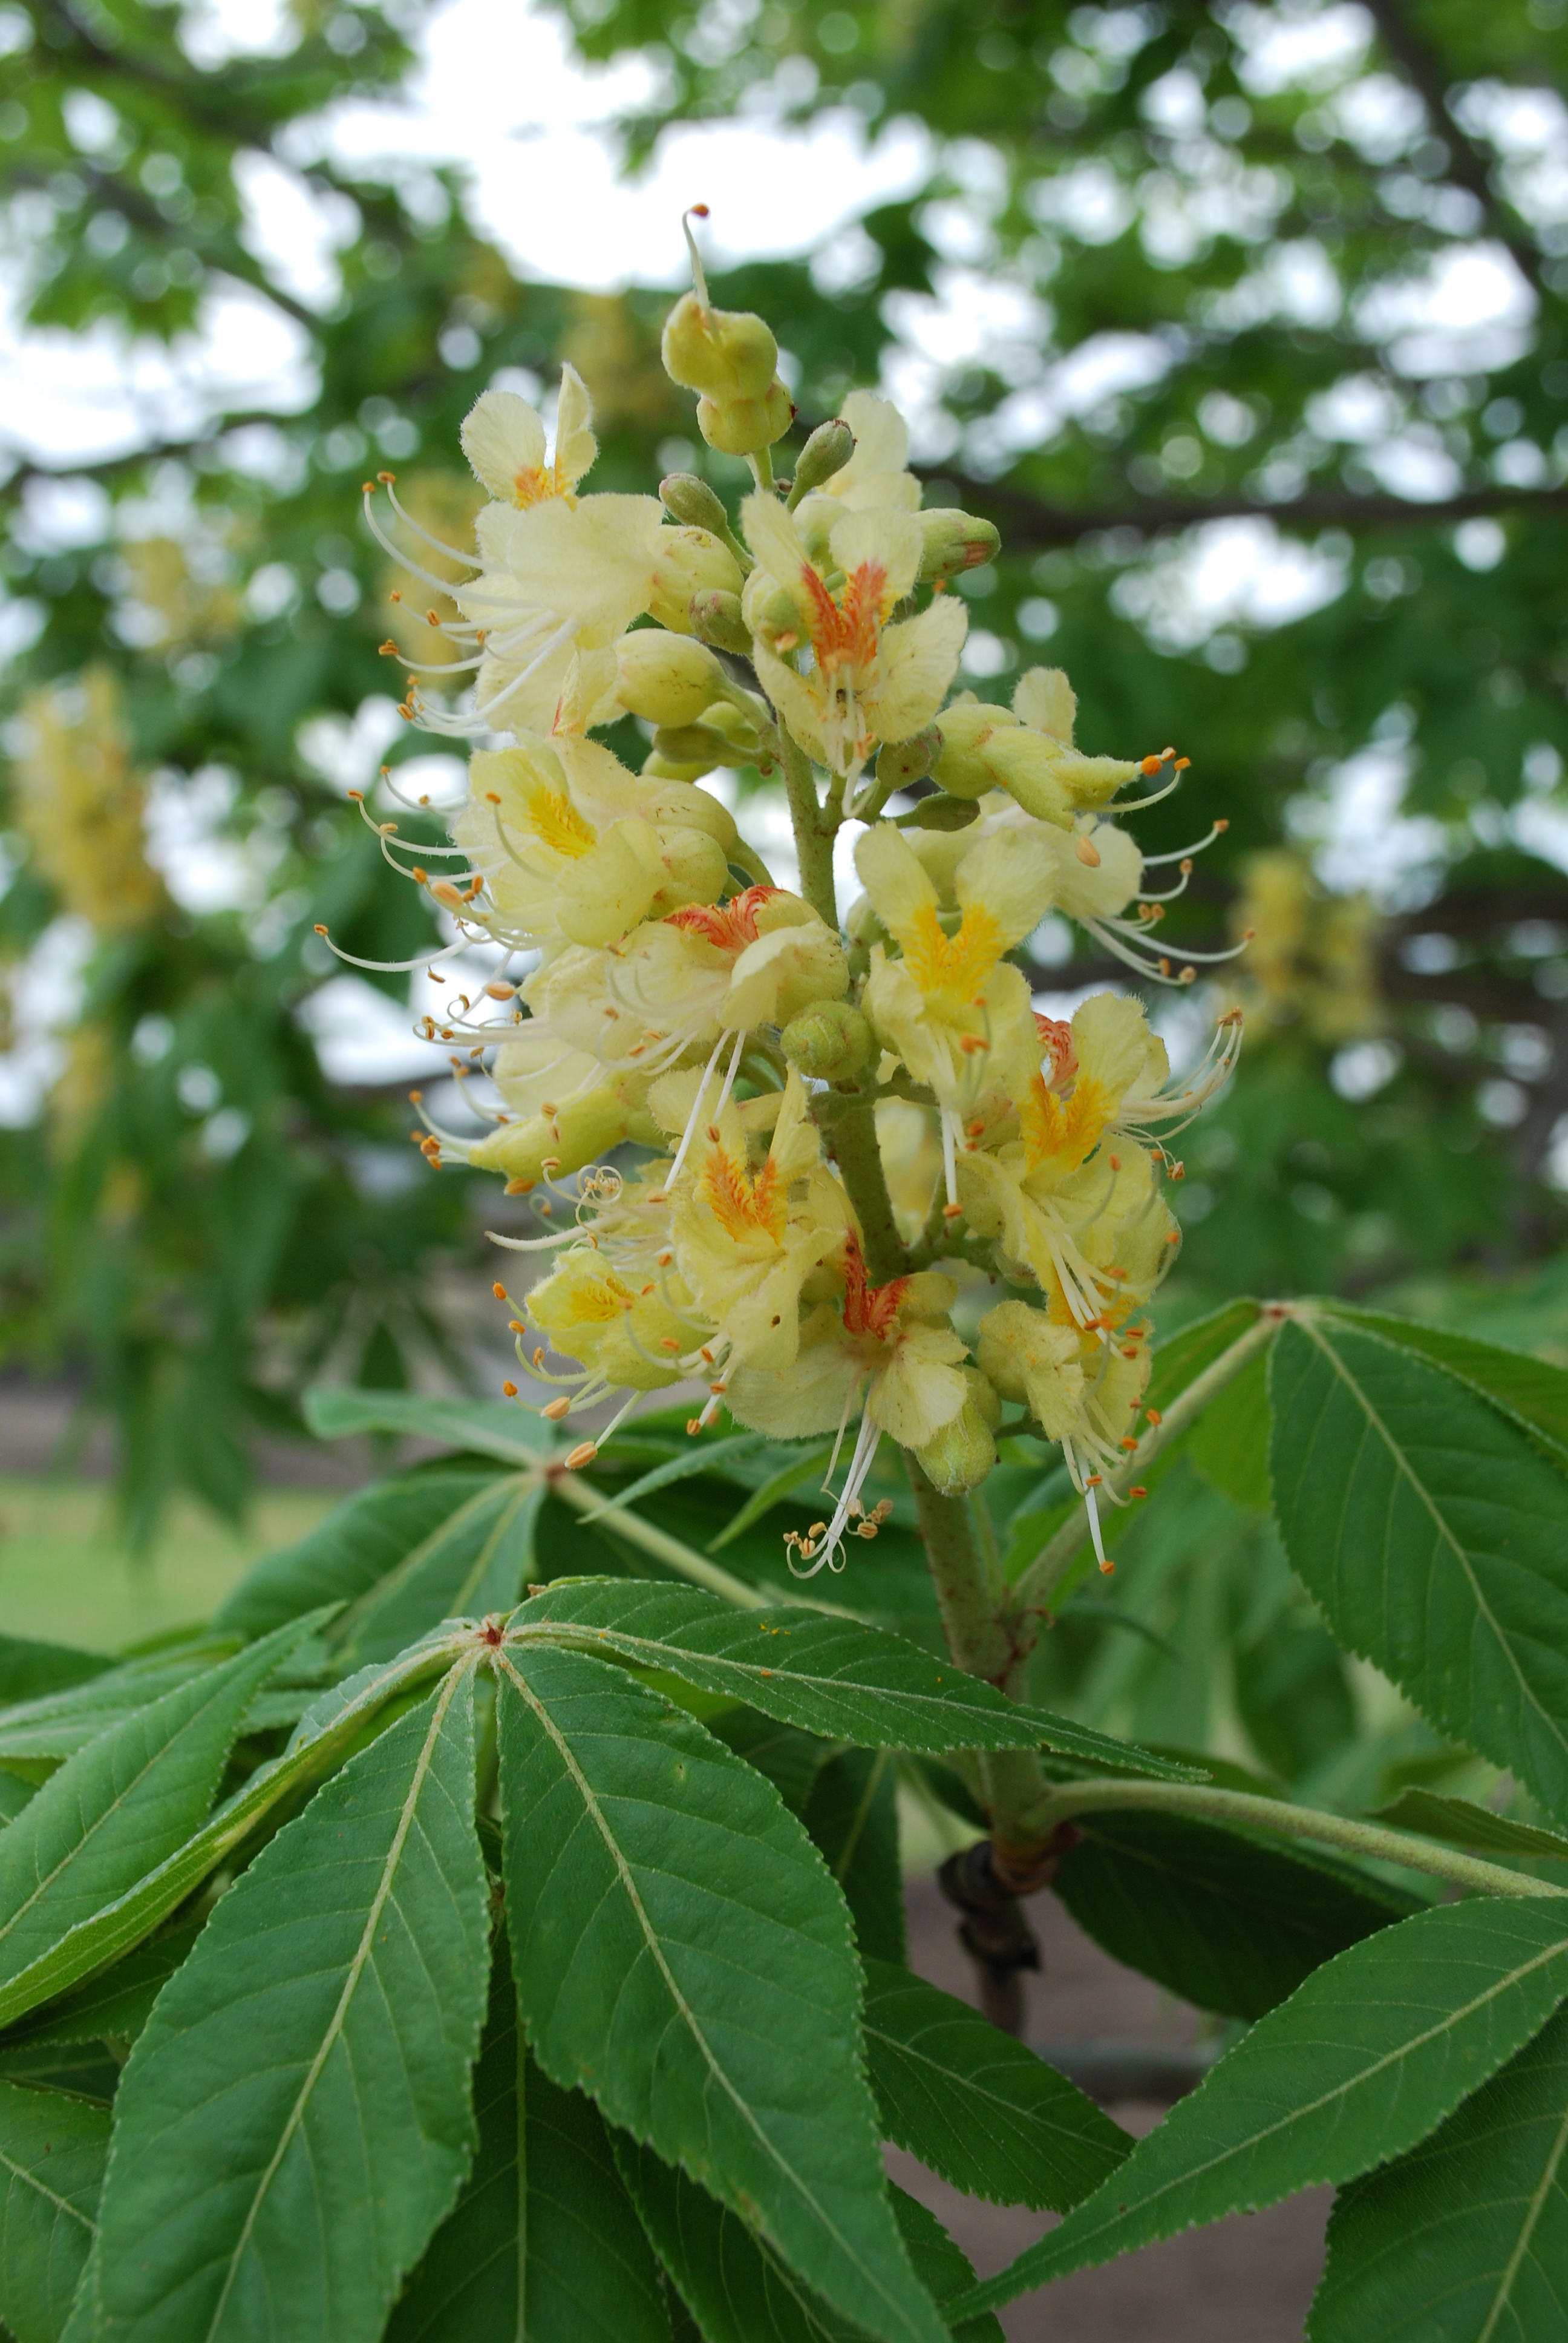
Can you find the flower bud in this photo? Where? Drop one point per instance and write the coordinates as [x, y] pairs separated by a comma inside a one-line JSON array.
[[967, 729], [986, 747], [824, 455], [686, 498], [830, 1041], [689, 561], [740, 426], [963, 1452], [699, 747], [725, 354], [716, 618], [904, 762], [955, 541], [578, 1131], [667, 678], [938, 813]]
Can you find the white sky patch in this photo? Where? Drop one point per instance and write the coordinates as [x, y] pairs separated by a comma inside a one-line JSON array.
[[1237, 573], [1299, 48], [363, 1037], [295, 233], [1468, 311], [1362, 841], [46, 990], [205, 871]]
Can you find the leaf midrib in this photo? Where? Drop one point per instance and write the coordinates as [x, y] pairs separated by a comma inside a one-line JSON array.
[[1403, 1466], [31, 2180], [1406, 2049], [1527, 2230], [993, 2099], [655, 1950], [355, 1969]]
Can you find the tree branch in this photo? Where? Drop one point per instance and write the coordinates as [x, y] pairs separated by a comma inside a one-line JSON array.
[[1028, 520]]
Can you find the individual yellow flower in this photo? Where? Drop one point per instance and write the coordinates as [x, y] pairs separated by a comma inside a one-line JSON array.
[[868, 678], [1028, 751], [627, 1335], [951, 1006], [889, 1347], [504, 440], [561, 1111], [747, 1239], [1082, 1386]]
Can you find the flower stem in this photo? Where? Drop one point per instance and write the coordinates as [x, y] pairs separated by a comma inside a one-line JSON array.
[[813, 835], [1069, 1799], [852, 1138], [1038, 1582]]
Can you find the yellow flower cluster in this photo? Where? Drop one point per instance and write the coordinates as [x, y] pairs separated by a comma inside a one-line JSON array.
[[833, 1124]]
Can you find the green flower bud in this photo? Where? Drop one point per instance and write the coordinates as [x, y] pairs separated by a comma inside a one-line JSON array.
[[725, 354], [904, 762], [830, 1041], [667, 678], [686, 498], [573, 1135], [967, 728], [740, 426], [963, 1451], [699, 747], [986, 747], [716, 618], [690, 561], [938, 813], [825, 454], [955, 541]]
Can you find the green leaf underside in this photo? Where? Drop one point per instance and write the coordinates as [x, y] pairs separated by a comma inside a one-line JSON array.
[[1465, 2239], [579, 2257], [1226, 1918], [976, 2106], [349, 1554], [116, 2005], [1366, 2059], [52, 2155], [829, 1675], [1531, 1390], [1465, 1823], [773, 1491], [942, 2266], [295, 2120], [1434, 1536], [41, 1733], [683, 1955], [682, 1467], [113, 1929], [120, 1806], [852, 1815], [484, 1427]]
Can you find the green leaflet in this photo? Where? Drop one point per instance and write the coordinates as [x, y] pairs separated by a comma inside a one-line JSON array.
[[735, 2285], [1465, 2239], [706, 1458], [346, 1556], [1531, 1390], [117, 1926], [36, 1735], [853, 1815], [52, 2153], [974, 2104], [1364, 2060], [485, 1427], [470, 1564], [28, 1669], [118, 1808], [1465, 1823], [1226, 1918], [296, 2118], [1434, 1536], [837, 1677], [682, 1955], [579, 2251], [116, 2005]]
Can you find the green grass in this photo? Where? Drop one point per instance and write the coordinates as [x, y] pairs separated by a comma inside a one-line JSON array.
[[65, 1576]]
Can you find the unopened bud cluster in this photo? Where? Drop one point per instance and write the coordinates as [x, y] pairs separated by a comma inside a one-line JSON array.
[[829, 1120]]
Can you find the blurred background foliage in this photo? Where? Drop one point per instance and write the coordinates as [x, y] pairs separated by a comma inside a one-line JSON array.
[[1248, 324]]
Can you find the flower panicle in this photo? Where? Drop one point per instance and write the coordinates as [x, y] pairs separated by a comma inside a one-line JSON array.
[[671, 1044]]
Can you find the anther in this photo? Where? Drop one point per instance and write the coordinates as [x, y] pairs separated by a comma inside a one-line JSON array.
[[1087, 851], [499, 1291], [583, 1453], [555, 1408], [510, 1390]]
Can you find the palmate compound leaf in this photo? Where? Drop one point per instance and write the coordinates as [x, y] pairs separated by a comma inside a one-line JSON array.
[[1465, 2239], [977, 2106], [735, 2285], [52, 2153], [1533, 1391], [115, 1811], [683, 1955], [296, 2118], [1363, 2060], [835, 1676], [1434, 1537], [543, 2245], [1226, 1918]]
